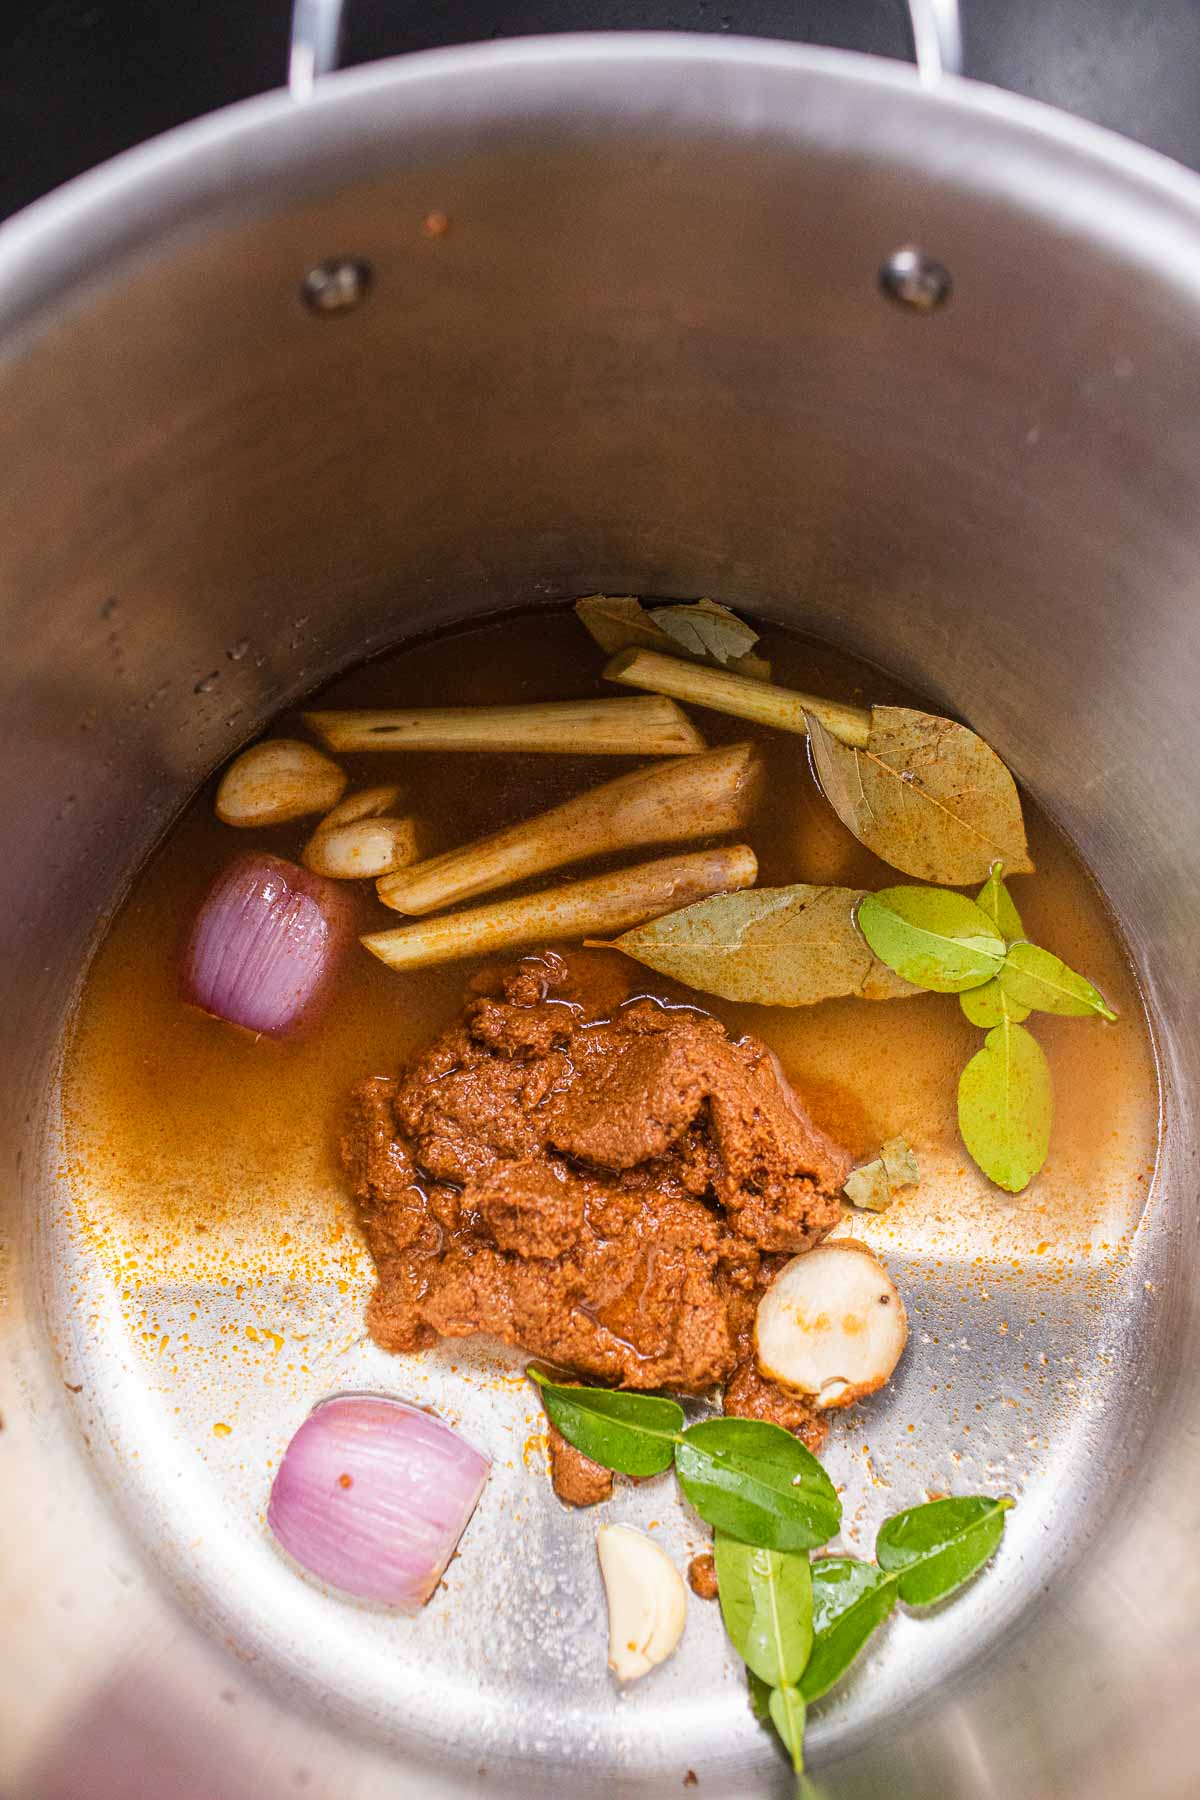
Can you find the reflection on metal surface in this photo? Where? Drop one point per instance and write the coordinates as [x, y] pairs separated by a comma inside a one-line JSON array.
[[336, 286], [915, 281], [937, 39], [315, 44]]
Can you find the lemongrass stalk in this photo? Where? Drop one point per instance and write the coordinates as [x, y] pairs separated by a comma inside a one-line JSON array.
[[651, 726], [740, 695], [596, 907], [667, 803]]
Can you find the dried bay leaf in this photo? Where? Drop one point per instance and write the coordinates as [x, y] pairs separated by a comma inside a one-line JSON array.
[[1006, 1105], [869, 1187], [926, 795], [619, 622], [700, 629], [706, 629], [877, 1183], [789, 946]]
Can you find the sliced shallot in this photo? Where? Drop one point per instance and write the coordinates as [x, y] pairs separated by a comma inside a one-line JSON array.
[[831, 1325], [373, 1495], [265, 944]]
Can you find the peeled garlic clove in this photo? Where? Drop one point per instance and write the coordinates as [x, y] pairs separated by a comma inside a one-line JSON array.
[[831, 1325], [647, 1604], [356, 841], [278, 780], [361, 848], [365, 803]]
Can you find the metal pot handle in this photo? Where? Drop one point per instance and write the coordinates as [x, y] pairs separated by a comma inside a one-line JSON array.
[[937, 38], [317, 32]]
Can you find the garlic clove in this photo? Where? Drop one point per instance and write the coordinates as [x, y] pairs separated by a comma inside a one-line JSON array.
[[647, 1603], [278, 780], [361, 848], [832, 1324], [364, 803]]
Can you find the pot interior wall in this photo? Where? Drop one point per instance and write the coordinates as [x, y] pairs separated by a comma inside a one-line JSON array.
[[649, 355]]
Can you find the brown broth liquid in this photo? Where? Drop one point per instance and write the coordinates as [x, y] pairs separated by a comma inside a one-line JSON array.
[[202, 1157]]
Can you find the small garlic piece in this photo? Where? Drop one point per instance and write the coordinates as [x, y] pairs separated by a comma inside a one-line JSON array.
[[831, 1325], [647, 1604], [364, 803], [357, 841], [361, 848], [278, 780]]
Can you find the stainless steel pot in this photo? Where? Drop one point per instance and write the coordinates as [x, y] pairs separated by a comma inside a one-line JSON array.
[[245, 396]]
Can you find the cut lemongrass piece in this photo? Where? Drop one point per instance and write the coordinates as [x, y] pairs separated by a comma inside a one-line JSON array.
[[668, 803], [651, 726], [577, 909], [745, 698], [831, 1325]]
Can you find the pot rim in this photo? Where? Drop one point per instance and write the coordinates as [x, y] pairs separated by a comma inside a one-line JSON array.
[[198, 170]]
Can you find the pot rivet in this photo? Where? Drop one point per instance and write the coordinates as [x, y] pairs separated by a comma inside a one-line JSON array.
[[336, 286], [914, 280]]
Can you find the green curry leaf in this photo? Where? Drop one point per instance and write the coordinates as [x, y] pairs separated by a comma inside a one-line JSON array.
[[787, 1716], [925, 1554], [1006, 1106], [934, 1549], [989, 1005], [932, 937], [758, 1483], [1041, 982], [999, 905], [633, 1433], [760, 1697], [767, 1605], [850, 1598]]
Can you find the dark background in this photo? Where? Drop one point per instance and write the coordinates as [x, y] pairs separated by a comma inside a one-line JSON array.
[[83, 79]]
